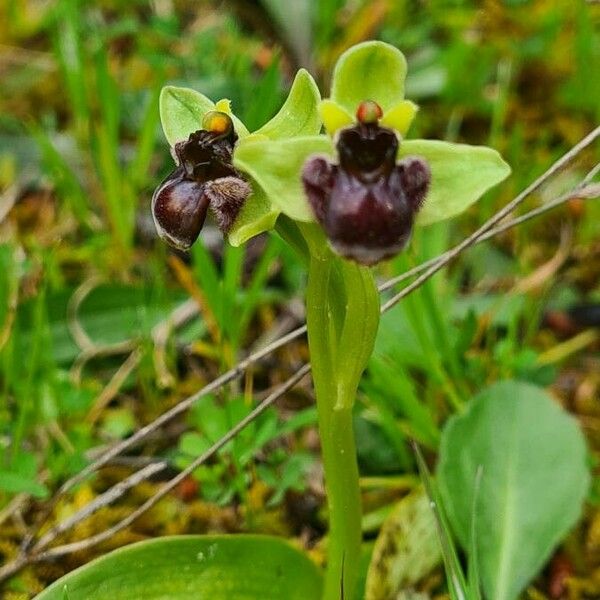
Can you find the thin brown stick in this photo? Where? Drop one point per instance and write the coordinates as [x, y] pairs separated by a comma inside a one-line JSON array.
[[108, 497]]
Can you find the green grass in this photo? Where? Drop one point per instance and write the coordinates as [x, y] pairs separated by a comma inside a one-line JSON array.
[[80, 139]]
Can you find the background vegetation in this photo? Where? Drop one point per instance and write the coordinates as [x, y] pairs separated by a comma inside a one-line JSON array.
[[102, 327]]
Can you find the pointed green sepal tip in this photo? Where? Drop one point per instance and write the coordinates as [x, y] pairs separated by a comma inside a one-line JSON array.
[[299, 114]]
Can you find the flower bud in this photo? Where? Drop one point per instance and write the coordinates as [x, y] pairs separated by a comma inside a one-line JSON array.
[[367, 202]]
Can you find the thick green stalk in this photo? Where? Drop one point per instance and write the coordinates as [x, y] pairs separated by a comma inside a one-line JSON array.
[[342, 317]]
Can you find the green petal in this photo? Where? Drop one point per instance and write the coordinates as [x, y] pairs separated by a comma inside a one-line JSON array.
[[299, 114], [369, 71], [334, 116], [256, 216], [460, 175], [182, 110], [400, 117], [276, 166]]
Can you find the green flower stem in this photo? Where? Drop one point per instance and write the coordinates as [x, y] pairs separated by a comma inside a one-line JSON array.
[[342, 317]]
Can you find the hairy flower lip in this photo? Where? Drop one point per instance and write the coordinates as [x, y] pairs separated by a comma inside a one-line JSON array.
[[179, 208], [367, 202]]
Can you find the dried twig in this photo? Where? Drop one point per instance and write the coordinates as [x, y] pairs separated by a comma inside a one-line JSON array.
[[112, 494]]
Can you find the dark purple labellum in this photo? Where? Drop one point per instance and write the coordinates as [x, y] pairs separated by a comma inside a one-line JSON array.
[[205, 177], [179, 209], [367, 203]]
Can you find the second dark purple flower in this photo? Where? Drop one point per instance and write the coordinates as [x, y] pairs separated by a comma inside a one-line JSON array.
[[367, 202]]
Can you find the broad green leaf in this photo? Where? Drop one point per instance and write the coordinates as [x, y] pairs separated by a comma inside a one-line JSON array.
[[369, 71], [182, 110], [406, 550], [533, 484], [240, 567], [460, 175], [257, 215], [276, 166], [299, 114]]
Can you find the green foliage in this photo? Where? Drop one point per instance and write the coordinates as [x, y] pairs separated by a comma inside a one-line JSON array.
[[247, 567], [533, 483], [459, 586], [231, 475], [233, 297], [81, 150]]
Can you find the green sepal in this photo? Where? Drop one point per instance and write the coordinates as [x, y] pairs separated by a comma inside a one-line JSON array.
[[460, 175], [182, 111], [369, 71], [276, 167], [257, 215], [299, 114]]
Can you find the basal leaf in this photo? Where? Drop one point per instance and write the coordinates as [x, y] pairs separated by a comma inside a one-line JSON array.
[[369, 71], [460, 175], [276, 166], [182, 110], [533, 484], [244, 567], [299, 114]]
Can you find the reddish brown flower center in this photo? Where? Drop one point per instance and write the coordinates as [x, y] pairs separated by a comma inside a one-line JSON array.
[[368, 111]]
